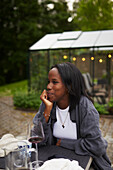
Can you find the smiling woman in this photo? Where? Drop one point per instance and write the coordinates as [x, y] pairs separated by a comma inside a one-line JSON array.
[[69, 117]]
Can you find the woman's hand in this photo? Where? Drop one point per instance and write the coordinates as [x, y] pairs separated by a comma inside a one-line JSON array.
[[44, 98], [48, 104]]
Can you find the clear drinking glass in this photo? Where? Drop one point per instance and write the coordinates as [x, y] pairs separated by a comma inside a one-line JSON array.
[[15, 157], [18, 155]]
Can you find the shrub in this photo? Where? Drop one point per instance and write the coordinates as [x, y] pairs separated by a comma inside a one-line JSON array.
[[102, 109], [25, 101], [110, 106], [110, 103]]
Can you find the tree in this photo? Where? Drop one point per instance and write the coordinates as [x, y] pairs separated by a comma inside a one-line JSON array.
[[54, 19], [23, 23], [18, 29], [94, 15]]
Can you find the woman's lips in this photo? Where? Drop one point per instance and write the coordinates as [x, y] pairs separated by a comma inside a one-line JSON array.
[[49, 94]]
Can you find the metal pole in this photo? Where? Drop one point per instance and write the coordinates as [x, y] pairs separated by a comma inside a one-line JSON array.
[[48, 66], [90, 63], [93, 70], [28, 72], [69, 55], [107, 72], [109, 77]]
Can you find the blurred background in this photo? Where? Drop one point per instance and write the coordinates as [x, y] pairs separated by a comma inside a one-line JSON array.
[[24, 22]]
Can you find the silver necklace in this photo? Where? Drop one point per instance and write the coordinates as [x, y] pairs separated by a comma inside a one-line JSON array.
[[63, 123]]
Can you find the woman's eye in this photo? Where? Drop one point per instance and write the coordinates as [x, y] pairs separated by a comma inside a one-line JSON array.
[[55, 82]]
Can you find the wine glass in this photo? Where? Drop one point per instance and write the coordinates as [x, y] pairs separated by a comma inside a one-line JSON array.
[[36, 134], [35, 165]]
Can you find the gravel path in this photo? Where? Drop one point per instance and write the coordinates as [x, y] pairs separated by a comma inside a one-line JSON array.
[[11, 120]]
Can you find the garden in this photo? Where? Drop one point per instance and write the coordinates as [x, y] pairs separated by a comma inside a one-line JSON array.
[[31, 101]]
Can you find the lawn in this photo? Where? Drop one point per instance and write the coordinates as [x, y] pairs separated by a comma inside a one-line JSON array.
[[13, 88], [21, 98]]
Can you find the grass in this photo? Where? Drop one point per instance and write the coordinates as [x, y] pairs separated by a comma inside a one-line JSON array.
[[13, 88]]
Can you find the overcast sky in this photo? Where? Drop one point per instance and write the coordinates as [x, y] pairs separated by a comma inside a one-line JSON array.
[[70, 3]]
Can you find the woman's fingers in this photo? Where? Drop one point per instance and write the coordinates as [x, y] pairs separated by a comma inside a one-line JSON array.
[[44, 98], [43, 95]]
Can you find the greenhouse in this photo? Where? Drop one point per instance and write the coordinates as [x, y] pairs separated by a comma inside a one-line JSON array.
[[90, 51]]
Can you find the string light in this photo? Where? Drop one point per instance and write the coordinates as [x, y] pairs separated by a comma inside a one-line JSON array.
[[109, 56], [83, 59], [74, 58], [92, 58], [65, 57], [100, 60]]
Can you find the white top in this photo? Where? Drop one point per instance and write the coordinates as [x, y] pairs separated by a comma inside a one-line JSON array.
[[70, 130]]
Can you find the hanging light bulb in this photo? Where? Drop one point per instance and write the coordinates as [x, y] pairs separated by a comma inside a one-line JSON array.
[[74, 58], [109, 55], [83, 59], [92, 58], [65, 57], [100, 60]]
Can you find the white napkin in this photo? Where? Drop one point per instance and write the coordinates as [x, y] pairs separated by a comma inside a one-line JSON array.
[[8, 141], [60, 164]]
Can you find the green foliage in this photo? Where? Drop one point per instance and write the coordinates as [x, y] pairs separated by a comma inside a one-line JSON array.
[[18, 29], [102, 109], [110, 106], [27, 101], [110, 103], [94, 15], [56, 19], [12, 88], [38, 70], [105, 75], [23, 23], [21, 98]]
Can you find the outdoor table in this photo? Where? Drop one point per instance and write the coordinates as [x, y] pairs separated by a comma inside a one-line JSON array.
[[52, 151]]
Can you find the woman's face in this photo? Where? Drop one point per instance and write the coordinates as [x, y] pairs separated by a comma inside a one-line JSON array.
[[57, 92]]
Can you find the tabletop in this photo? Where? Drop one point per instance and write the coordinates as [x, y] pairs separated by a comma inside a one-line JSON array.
[[52, 151]]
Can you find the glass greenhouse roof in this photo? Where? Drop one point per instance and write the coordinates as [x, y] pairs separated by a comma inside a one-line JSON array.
[[75, 40]]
